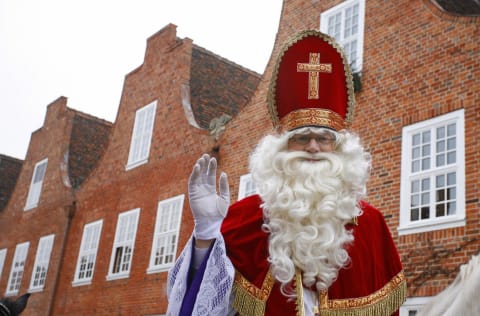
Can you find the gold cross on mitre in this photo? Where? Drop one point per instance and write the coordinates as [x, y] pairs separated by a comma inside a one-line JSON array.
[[314, 67]]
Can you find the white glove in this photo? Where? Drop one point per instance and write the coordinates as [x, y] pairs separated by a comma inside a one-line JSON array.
[[208, 208]]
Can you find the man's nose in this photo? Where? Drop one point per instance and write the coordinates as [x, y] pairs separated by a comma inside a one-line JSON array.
[[312, 146]]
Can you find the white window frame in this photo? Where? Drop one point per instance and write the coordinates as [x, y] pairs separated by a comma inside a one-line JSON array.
[[414, 304], [141, 136], [36, 185], [3, 255], [42, 261], [18, 267], [87, 255], [165, 236], [340, 11], [246, 186], [125, 240], [432, 223]]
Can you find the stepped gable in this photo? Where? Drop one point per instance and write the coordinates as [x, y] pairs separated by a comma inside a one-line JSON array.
[[218, 86], [88, 142], [10, 168]]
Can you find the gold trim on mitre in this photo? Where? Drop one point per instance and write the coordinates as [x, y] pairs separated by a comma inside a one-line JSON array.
[[312, 117]]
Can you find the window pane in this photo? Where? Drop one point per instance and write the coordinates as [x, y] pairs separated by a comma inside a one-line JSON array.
[[426, 150], [415, 166], [451, 143], [425, 198], [451, 208], [416, 152], [414, 214], [440, 160], [425, 163], [440, 146], [451, 178], [425, 212], [440, 182], [425, 184], [416, 139], [451, 194], [451, 157], [426, 137], [440, 210], [415, 186], [440, 195], [441, 132], [415, 200], [451, 129]]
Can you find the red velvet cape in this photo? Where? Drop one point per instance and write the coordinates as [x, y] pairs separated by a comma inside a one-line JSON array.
[[375, 264]]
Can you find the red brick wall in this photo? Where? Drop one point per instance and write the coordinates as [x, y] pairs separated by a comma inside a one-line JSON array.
[[49, 217]]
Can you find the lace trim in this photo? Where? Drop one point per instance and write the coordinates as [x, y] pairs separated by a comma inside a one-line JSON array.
[[214, 293]]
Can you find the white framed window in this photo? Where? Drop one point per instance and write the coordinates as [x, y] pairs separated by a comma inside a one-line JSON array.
[[141, 136], [413, 305], [345, 22], [246, 187], [122, 252], [18, 265], [165, 237], [88, 253], [42, 261], [36, 184], [3, 255], [432, 192]]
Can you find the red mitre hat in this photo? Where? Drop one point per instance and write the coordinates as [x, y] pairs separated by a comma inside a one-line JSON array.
[[312, 84]]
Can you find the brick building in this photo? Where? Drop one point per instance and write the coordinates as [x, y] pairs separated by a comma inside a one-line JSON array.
[[120, 220]]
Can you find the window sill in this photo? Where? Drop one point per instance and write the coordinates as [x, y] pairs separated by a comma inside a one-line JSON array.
[[133, 165], [152, 270], [81, 282], [30, 207], [428, 226], [35, 290], [112, 277]]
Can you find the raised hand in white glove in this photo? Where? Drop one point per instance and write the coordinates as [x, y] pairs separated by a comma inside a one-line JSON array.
[[208, 208]]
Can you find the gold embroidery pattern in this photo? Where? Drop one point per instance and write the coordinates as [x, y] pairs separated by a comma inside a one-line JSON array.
[[314, 68], [249, 299], [385, 301], [312, 116], [299, 303]]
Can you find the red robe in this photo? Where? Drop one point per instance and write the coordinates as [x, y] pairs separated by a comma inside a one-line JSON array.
[[372, 284]]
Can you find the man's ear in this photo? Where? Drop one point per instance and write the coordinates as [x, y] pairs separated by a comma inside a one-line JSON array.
[[21, 303]]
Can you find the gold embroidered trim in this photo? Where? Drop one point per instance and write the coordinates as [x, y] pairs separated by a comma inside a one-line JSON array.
[[249, 299], [299, 303], [385, 301], [312, 116]]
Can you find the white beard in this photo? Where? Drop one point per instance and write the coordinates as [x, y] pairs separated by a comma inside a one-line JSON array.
[[306, 207]]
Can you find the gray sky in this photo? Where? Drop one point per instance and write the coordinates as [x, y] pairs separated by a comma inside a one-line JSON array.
[[82, 50]]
